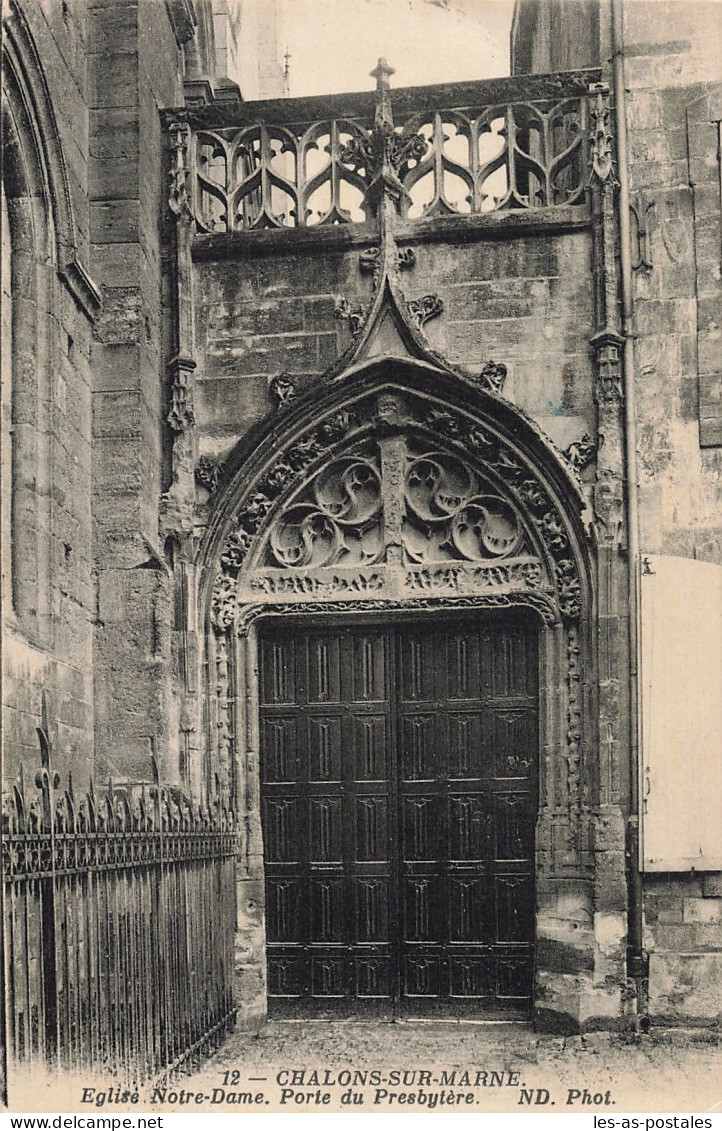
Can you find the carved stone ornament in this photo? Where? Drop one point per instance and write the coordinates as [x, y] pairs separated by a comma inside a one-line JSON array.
[[384, 154], [354, 315], [600, 137], [447, 514], [609, 505], [574, 717], [424, 309], [383, 148], [181, 415], [283, 389], [370, 260], [537, 601], [492, 377], [178, 200], [400, 509], [641, 211], [608, 389], [208, 472], [580, 453]]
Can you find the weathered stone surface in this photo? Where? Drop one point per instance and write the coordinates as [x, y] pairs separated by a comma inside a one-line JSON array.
[[685, 988]]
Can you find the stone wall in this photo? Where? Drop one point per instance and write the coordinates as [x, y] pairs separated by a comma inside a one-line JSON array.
[[673, 110], [48, 604], [555, 36], [673, 107], [134, 65], [683, 928], [671, 62], [525, 301]]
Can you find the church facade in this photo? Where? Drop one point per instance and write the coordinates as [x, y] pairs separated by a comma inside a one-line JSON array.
[[363, 457]]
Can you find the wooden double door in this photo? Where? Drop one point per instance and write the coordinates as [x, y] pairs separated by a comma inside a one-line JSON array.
[[398, 800]]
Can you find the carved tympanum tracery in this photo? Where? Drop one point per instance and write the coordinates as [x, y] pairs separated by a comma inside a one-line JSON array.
[[338, 521], [448, 514], [451, 514], [423, 500]]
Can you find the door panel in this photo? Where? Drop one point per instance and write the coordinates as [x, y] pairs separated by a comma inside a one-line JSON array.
[[398, 804]]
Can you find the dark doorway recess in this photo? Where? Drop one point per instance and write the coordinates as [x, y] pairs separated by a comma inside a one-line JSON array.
[[399, 796]]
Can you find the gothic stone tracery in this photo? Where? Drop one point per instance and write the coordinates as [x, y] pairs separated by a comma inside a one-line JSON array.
[[421, 500]]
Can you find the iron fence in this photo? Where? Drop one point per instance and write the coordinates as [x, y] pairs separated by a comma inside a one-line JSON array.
[[119, 919]]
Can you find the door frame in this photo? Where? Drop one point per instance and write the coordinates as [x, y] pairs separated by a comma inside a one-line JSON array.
[[572, 589], [245, 675]]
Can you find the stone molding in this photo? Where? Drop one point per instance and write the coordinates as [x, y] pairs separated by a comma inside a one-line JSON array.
[[82, 288], [183, 19]]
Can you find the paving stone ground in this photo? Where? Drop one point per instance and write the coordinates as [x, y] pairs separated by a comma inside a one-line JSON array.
[[663, 1071]]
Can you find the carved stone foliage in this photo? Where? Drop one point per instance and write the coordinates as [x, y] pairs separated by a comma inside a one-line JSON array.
[[492, 377], [308, 448], [428, 603], [532, 494], [383, 147], [370, 260], [580, 453], [422, 310], [283, 389], [208, 472]]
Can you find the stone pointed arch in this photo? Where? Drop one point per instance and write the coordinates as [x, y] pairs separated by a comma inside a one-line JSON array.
[[493, 468], [324, 512], [35, 167]]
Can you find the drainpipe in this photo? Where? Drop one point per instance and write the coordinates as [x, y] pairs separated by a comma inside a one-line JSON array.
[[636, 967]]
